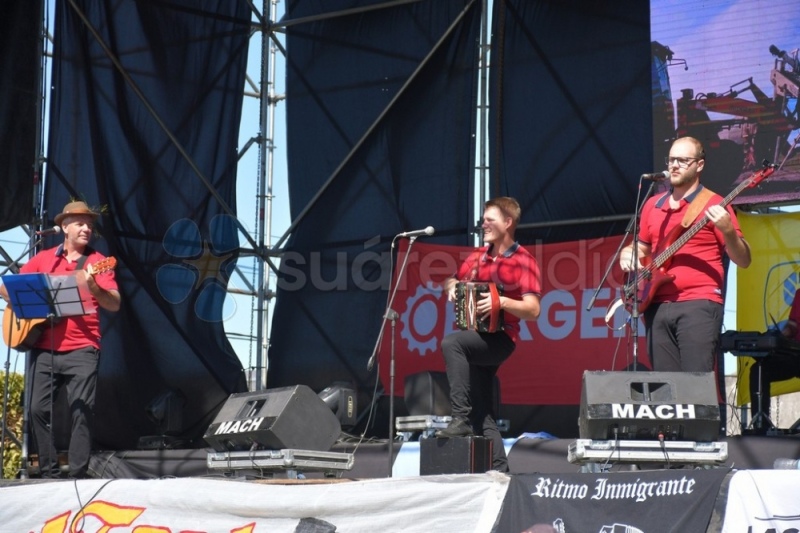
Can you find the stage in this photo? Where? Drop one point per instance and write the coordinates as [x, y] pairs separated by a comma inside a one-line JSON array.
[[175, 490], [371, 459]]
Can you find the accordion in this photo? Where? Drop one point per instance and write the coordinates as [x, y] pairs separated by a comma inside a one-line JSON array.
[[467, 295]]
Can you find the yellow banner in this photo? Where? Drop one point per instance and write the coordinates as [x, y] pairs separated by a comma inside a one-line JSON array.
[[764, 291]]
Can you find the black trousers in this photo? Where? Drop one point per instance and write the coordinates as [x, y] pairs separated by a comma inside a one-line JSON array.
[[471, 361], [683, 336], [76, 372]]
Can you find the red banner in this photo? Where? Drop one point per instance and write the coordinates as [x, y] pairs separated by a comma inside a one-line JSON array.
[[553, 352]]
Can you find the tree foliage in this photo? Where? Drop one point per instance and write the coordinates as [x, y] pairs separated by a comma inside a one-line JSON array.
[[12, 453]]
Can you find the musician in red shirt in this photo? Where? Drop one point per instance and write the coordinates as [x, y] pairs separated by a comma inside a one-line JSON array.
[[767, 370], [67, 355], [472, 358], [684, 317]]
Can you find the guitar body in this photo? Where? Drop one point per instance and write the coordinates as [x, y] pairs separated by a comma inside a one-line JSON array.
[[649, 284], [21, 333], [647, 288]]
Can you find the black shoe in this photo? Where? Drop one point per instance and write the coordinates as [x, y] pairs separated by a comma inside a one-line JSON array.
[[458, 427]]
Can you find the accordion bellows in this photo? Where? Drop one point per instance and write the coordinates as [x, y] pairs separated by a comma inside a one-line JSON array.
[[468, 293]]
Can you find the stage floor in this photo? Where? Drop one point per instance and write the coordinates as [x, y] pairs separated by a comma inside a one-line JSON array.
[[175, 490], [371, 459]]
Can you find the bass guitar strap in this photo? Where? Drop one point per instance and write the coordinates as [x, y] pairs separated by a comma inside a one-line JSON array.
[[697, 206]]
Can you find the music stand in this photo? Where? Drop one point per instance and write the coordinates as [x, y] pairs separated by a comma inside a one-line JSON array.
[[39, 296]]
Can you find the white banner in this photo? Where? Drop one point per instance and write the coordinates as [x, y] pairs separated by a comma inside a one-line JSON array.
[[433, 503], [762, 501]]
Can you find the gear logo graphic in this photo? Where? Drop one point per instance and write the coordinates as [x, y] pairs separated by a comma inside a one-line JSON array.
[[420, 319], [202, 268]]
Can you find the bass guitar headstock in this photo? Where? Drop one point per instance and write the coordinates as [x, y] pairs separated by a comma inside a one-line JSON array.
[[762, 174]]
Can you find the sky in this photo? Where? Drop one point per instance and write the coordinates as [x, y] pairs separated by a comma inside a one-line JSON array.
[[722, 42]]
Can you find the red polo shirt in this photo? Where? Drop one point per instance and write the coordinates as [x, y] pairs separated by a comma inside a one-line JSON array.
[[70, 333], [697, 265], [516, 270]]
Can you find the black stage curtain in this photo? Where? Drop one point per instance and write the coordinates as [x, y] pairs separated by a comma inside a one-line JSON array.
[[19, 97], [166, 363], [570, 116], [409, 70]]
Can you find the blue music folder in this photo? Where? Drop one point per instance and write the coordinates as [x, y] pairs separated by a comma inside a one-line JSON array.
[[33, 295]]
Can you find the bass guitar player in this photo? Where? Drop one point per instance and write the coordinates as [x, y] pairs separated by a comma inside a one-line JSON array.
[[684, 310]]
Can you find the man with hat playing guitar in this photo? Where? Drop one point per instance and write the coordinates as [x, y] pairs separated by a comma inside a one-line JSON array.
[[67, 354]]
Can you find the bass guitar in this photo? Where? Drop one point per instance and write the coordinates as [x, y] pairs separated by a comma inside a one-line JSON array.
[[653, 273], [22, 333]]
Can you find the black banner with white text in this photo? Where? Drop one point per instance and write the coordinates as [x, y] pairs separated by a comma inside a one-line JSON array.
[[633, 502]]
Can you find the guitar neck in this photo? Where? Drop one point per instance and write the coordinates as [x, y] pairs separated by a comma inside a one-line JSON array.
[[669, 251]]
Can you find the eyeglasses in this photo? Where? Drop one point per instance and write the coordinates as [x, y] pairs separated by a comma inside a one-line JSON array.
[[682, 162]]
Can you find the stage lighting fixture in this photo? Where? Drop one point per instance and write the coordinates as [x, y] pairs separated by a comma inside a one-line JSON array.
[[341, 398]]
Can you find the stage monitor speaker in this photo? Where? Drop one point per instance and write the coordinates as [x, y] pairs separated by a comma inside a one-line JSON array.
[[274, 419], [428, 393], [647, 405]]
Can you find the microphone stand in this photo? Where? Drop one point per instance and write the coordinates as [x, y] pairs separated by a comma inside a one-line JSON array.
[[633, 228], [391, 314], [13, 266], [635, 271]]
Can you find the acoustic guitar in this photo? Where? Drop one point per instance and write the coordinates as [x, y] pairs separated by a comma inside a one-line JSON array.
[[22, 333], [654, 271]]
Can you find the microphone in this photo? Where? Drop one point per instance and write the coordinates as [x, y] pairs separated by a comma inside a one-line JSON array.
[[656, 176], [55, 230], [417, 233]]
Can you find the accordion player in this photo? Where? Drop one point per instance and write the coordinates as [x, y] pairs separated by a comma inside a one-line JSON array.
[[468, 293]]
